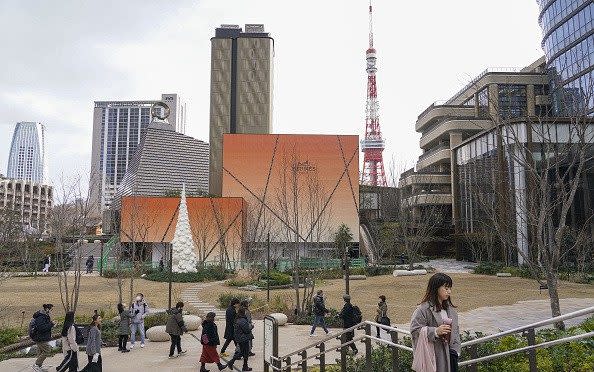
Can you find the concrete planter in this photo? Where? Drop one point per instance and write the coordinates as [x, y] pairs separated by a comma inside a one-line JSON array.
[[409, 272], [503, 275]]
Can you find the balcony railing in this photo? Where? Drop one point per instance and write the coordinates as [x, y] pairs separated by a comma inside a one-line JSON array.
[[433, 151], [480, 76]]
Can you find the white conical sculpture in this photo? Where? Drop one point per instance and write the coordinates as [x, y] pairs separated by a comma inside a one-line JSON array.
[[184, 258]]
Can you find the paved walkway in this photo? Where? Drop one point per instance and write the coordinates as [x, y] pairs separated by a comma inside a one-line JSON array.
[[190, 295], [154, 356]]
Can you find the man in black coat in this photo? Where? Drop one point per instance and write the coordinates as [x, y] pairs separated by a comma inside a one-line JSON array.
[[319, 310], [347, 314], [41, 332], [230, 315]]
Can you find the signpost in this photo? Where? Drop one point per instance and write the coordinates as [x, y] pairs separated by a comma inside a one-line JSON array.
[[270, 343]]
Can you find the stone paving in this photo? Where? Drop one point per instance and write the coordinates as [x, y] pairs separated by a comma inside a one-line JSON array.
[[190, 296], [154, 356]]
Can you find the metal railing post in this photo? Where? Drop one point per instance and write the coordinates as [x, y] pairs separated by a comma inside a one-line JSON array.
[[530, 335], [322, 357], [343, 353], [395, 359], [288, 361], [303, 363], [367, 342], [473, 355]]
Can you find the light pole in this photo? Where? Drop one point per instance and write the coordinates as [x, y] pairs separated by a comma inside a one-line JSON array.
[[268, 268]]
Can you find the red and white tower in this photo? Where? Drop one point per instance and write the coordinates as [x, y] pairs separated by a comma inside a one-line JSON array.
[[373, 145]]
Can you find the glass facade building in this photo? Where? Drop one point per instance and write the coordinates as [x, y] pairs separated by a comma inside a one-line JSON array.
[[26, 160], [568, 42], [118, 127]]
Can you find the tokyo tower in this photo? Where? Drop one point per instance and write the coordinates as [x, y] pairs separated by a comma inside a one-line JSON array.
[[373, 145]]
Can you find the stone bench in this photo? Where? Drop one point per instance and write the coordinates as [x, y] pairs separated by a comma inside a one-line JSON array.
[[192, 322], [157, 334], [503, 275], [409, 272], [281, 319], [356, 277]]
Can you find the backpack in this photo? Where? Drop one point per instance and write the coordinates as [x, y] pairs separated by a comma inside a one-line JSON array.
[[33, 330], [80, 338], [357, 317]]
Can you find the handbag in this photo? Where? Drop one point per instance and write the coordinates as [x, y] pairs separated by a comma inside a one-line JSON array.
[[204, 339], [385, 321]]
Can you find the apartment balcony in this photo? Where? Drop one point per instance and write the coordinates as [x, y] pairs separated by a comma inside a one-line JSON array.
[[424, 179], [439, 110], [437, 155], [442, 130], [427, 199]]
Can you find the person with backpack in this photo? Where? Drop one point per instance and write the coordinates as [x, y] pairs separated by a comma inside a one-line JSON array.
[[89, 264], [137, 324], [351, 316], [242, 334], [69, 345], [94, 343], [319, 310], [40, 331], [175, 327], [124, 327], [245, 304], [381, 315], [209, 340], [230, 315]]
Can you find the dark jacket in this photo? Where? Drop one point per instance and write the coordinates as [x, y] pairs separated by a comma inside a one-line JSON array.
[[124, 324], [210, 329], [89, 262], [230, 315], [94, 341], [347, 315], [175, 325], [243, 330], [319, 308], [43, 326]]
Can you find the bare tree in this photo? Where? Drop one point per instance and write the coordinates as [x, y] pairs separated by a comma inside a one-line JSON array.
[[68, 222], [530, 198]]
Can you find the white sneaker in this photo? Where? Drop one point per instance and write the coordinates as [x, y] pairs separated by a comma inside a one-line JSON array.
[[312, 335], [141, 345], [131, 346]]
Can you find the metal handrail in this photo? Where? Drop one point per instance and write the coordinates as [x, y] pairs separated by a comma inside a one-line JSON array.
[[540, 324], [526, 348], [337, 348], [327, 338]]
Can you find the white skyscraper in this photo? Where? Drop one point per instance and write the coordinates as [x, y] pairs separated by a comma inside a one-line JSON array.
[[27, 159], [117, 130]]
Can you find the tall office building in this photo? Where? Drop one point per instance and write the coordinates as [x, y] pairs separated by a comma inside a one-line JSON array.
[[117, 130], [568, 42], [26, 160], [240, 89]]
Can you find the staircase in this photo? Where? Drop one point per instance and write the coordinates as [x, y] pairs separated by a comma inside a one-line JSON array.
[[191, 296]]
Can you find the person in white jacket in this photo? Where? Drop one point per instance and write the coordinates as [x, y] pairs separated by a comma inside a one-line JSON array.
[[69, 345], [137, 323]]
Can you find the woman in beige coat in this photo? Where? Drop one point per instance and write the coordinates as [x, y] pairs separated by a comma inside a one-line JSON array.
[[440, 318]]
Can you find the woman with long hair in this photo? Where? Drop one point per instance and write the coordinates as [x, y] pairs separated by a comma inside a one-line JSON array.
[[94, 346], [69, 345], [434, 328], [209, 340], [124, 327]]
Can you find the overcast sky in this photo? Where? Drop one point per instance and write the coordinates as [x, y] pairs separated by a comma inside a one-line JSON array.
[[59, 56]]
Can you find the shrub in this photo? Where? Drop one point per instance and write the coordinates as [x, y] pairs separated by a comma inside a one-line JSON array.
[[276, 278], [236, 282], [307, 319], [488, 268], [9, 336], [202, 275], [155, 319]]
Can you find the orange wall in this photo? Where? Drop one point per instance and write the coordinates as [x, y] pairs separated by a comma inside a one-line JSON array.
[[247, 159], [153, 219]]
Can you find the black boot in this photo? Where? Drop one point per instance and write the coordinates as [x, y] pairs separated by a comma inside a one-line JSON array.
[[203, 367], [221, 366], [245, 365]]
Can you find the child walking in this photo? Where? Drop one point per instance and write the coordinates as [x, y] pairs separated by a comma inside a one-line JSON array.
[[209, 341], [434, 328]]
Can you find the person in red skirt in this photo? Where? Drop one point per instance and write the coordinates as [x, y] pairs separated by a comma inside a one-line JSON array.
[[209, 341]]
